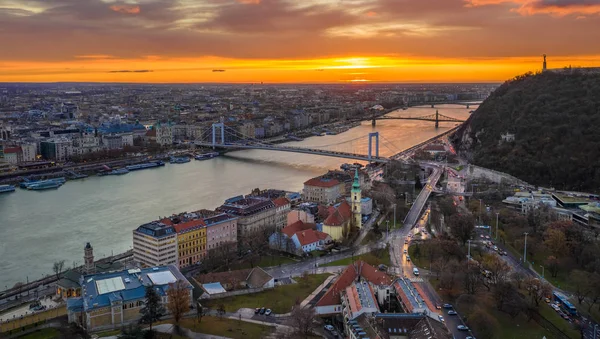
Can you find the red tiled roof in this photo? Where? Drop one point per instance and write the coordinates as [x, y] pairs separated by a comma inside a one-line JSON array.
[[319, 182], [370, 273], [185, 226], [281, 201], [341, 214], [322, 212], [307, 237], [299, 225], [322, 235], [12, 150], [167, 221]]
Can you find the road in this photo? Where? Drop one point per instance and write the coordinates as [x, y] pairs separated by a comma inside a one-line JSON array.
[[419, 203]]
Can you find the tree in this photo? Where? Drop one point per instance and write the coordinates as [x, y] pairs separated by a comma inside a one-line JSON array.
[[221, 310], [179, 299], [499, 268], [580, 280], [552, 264], [537, 290], [303, 320], [555, 241], [472, 279], [518, 277], [153, 309], [58, 267], [461, 227], [483, 324]]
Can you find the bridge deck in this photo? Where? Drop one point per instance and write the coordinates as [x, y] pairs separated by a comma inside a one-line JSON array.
[[315, 151]]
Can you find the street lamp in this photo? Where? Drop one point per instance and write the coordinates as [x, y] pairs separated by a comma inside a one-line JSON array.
[[394, 216], [469, 255], [387, 226], [595, 326], [496, 238], [542, 271], [525, 250]]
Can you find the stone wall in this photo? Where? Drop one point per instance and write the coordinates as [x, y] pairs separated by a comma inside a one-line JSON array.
[[476, 172], [234, 293]]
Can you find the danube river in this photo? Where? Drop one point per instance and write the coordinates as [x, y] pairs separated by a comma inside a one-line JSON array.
[[39, 228]]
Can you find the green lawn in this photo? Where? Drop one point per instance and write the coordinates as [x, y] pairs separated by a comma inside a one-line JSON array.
[[226, 327], [370, 237], [46, 333], [519, 327], [370, 258], [560, 281], [280, 300], [559, 322], [418, 260], [265, 261], [108, 333]]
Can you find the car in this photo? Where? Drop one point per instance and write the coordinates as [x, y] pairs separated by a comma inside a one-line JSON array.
[[262, 310], [268, 311], [451, 312], [441, 318], [256, 310], [438, 307], [329, 328], [547, 300], [447, 306], [462, 328], [405, 251], [482, 236], [469, 337], [407, 257]]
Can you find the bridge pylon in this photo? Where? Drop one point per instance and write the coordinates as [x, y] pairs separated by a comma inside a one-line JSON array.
[[371, 136], [437, 118], [220, 126]]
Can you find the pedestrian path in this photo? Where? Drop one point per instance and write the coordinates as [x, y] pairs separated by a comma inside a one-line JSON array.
[[416, 280]]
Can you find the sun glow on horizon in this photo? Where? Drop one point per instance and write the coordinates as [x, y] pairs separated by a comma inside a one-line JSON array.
[[156, 69]]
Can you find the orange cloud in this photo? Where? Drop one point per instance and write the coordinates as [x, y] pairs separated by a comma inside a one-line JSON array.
[[531, 7], [249, 2], [126, 9], [371, 14]]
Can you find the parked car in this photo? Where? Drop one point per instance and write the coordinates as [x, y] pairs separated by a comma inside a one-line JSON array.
[[256, 310], [462, 328], [268, 311], [447, 306], [262, 310], [438, 307], [329, 327], [451, 312], [407, 257], [441, 318], [405, 251]]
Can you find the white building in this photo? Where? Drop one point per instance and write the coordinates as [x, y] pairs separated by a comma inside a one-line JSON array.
[[164, 134], [29, 152], [155, 244], [112, 141], [282, 208]]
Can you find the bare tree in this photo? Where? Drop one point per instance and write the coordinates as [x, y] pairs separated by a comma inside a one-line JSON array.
[[518, 277], [303, 319], [58, 267], [179, 300]]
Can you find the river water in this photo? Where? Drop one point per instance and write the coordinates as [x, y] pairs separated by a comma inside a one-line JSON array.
[[41, 227]]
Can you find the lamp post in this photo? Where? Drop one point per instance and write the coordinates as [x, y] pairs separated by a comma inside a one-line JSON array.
[[525, 249], [496, 238], [387, 228], [595, 326], [480, 211], [542, 271], [394, 216], [469, 255]]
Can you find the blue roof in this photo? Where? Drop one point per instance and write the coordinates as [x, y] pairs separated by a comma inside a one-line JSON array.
[[75, 304], [133, 283]]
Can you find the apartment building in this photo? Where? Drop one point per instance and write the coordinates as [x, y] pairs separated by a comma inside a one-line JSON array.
[[155, 244]]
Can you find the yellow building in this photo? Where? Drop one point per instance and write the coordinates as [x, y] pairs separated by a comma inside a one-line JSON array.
[[338, 223], [191, 242]]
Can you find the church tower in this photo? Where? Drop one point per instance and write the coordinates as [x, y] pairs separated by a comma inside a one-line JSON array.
[[544, 67], [356, 199], [88, 259]]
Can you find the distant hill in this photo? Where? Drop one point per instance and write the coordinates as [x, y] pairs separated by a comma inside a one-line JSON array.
[[555, 119]]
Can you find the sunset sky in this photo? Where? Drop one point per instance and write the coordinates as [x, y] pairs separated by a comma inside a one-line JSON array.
[[293, 40]]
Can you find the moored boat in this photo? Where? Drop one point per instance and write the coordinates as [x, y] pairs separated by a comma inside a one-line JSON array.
[[179, 160], [44, 185], [7, 188], [119, 171], [145, 165], [206, 156]]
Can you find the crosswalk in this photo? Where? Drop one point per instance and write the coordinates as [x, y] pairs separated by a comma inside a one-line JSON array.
[[418, 280]]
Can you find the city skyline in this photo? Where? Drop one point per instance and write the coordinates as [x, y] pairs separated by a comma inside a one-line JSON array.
[[283, 41]]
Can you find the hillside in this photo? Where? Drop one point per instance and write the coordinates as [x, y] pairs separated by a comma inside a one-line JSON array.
[[555, 119]]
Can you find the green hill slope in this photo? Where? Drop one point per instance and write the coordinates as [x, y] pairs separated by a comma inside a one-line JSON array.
[[555, 119]]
